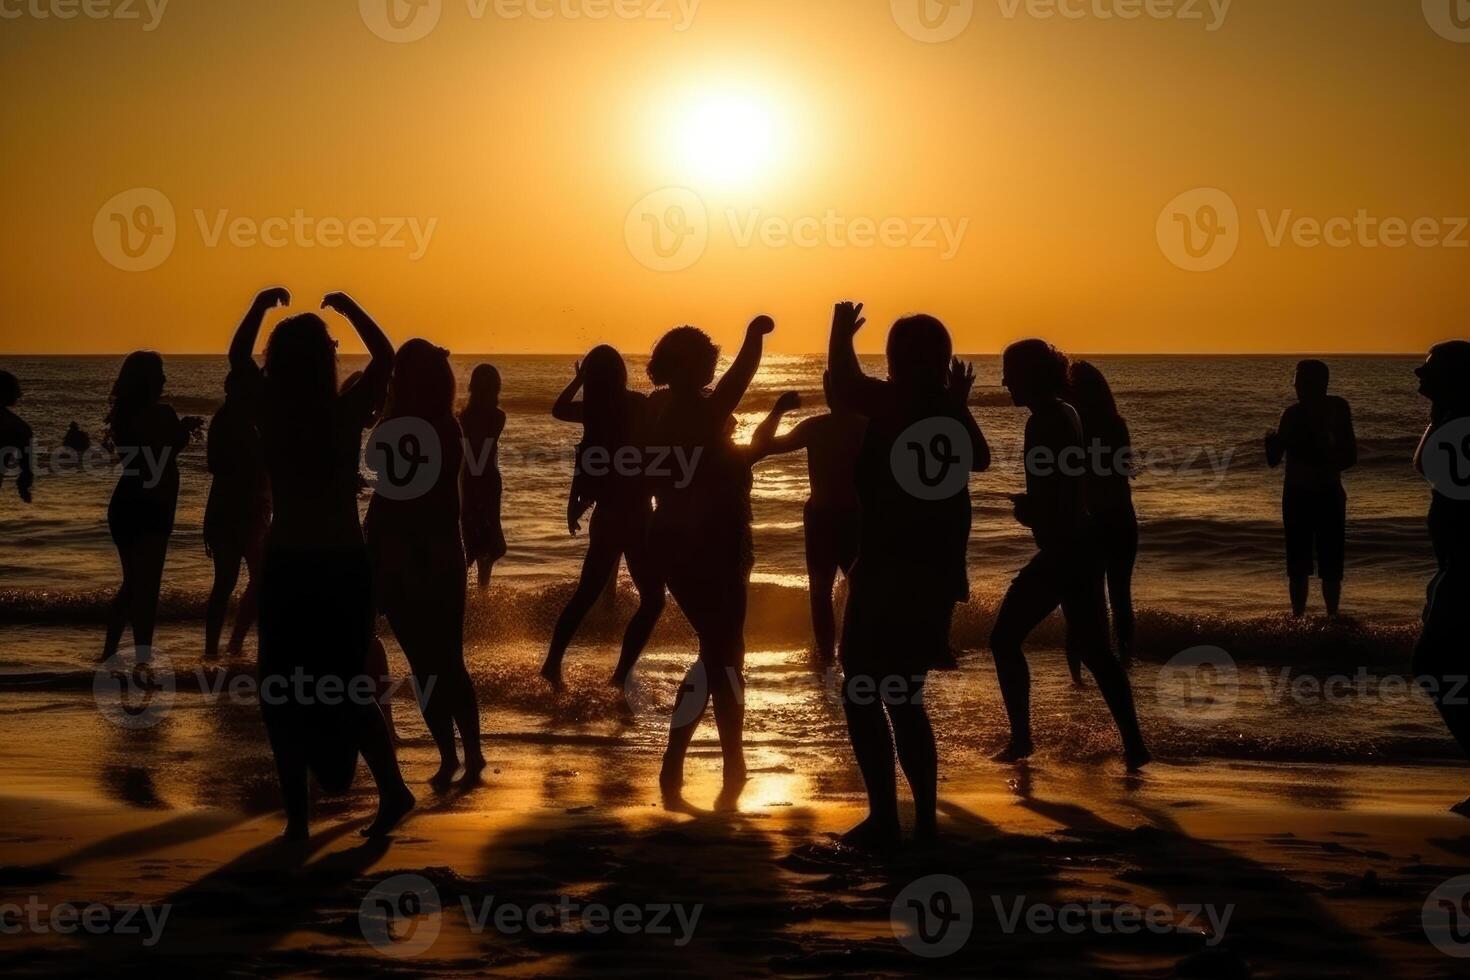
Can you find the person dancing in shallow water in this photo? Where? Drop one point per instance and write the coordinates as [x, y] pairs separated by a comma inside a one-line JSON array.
[[832, 515], [1316, 439], [316, 592], [911, 566], [1439, 657], [1067, 570], [1109, 497], [16, 450], [413, 537], [614, 420], [480, 486], [236, 516], [700, 533], [147, 437]]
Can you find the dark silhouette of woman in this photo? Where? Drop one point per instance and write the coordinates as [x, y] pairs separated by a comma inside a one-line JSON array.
[[911, 566], [832, 515], [147, 437], [1439, 657], [413, 536], [700, 532], [610, 479], [480, 486], [236, 516], [1109, 496], [16, 450], [316, 585], [1067, 570]]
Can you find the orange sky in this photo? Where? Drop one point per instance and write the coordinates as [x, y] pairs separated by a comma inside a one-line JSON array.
[[1013, 179]]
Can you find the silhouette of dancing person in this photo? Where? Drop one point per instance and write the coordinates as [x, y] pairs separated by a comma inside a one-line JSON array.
[[832, 515], [1109, 489], [16, 450], [480, 485], [147, 437], [413, 537], [1439, 656], [316, 583], [911, 565], [236, 515], [700, 532], [1067, 569], [614, 420], [1315, 437]]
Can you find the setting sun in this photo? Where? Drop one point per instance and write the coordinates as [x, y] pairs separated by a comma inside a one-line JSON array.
[[726, 138]]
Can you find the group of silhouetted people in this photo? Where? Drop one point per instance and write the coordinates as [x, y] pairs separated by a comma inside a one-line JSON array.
[[669, 493]]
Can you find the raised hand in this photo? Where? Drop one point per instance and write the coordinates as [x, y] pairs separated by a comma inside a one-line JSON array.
[[847, 319], [761, 325], [788, 402], [961, 380], [275, 296], [340, 303]]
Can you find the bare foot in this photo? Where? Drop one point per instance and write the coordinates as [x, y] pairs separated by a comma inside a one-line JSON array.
[[444, 775], [296, 831], [1136, 758], [1015, 751], [1462, 807], [473, 770], [551, 673], [391, 810], [671, 777], [873, 835]]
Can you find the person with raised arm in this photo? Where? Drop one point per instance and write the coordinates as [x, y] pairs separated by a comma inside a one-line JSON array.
[[316, 594], [1067, 569], [920, 445], [700, 532], [614, 420]]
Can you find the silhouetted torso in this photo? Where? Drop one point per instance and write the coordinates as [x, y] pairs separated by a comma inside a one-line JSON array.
[[1108, 485], [619, 426], [239, 496], [1056, 489], [147, 493], [1316, 436], [432, 517], [831, 461], [706, 508]]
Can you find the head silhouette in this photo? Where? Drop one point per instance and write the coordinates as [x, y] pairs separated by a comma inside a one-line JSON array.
[[301, 362], [139, 385], [684, 359], [1311, 379], [423, 382], [604, 375], [1444, 378], [1091, 394], [919, 350], [1034, 371], [9, 390], [484, 387]]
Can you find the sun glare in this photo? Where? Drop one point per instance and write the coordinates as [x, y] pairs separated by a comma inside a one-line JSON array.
[[727, 138]]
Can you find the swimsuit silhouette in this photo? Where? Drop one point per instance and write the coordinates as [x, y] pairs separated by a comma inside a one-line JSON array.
[[480, 485], [236, 516]]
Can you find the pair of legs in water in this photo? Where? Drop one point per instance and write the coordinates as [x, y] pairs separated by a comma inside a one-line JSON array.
[[1072, 578], [227, 553], [1316, 530], [140, 532], [832, 538], [423, 599], [617, 530], [1439, 656]]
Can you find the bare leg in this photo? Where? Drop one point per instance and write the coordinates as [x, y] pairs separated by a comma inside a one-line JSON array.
[[649, 581], [918, 755], [143, 590], [689, 706], [483, 568], [1332, 595], [821, 574], [394, 798], [377, 669], [1298, 587], [598, 567], [872, 746], [249, 604], [226, 574]]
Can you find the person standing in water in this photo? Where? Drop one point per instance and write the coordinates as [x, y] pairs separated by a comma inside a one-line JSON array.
[[912, 477], [16, 450], [147, 437], [1067, 570], [1439, 656], [236, 516], [316, 591], [480, 486], [413, 537], [1109, 496], [832, 515], [614, 420], [1316, 439], [700, 532]]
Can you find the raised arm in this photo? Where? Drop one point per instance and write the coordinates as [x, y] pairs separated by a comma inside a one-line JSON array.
[[380, 348], [731, 387], [566, 410], [851, 388], [961, 380], [764, 442], [242, 347]]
